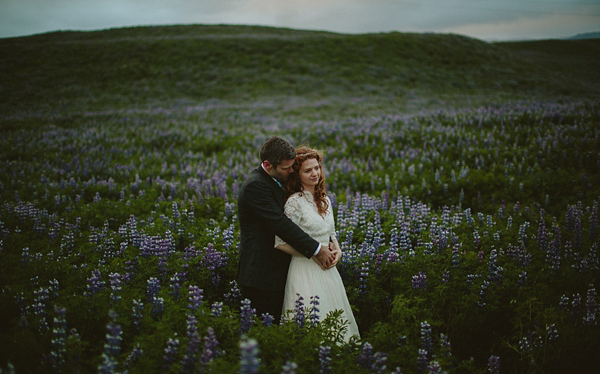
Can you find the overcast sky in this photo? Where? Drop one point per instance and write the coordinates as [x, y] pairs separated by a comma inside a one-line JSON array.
[[483, 19]]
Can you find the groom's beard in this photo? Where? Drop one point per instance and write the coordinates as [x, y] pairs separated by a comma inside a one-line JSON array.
[[282, 177]]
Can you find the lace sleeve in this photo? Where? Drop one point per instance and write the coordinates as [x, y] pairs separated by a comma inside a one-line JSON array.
[[293, 210]]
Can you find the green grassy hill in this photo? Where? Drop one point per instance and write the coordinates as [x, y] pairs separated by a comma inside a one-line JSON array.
[[149, 66]]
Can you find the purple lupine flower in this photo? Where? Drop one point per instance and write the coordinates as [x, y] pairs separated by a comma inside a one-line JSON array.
[[190, 253], [483, 293], [195, 297], [364, 275], [228, 236], [25, 256], [476, 237], [137, 310], [175, 286], [378, 365], [247, 313], [349, 235], [552, 332], [108, 365], [495, 271], [94, 284], [378, 263], [568, 249], [40, 304], [20, 301], [365, 357], [234, 295], [563, 303], [249, 361], [216, 309], [267, 319], [188, 364], [115, 286], [324, 359], [59, 339], [553, 256], [153, 287], [446, 277], [229, 209], [456, 257], [213, 260], [426, 338], [158, 306], [525, 345], [170, 353], [163, 248], [576, 305], [175, 210], [523, 232], [314, 310], [593, 257], [523, 278], [434, 368], [594, 221], [134, 356], [209, 352], [494, 364], [591, 307], [130, 270], [578, 239], [289, 368], [480, 256], [422, 360], [419, 281], [299, 311], [542, 237], [112, 347], [445, 346]]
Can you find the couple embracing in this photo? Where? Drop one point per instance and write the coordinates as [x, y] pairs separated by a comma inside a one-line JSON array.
[[288, 245]]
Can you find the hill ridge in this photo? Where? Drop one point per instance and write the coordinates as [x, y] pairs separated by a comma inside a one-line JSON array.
[[158, 65]]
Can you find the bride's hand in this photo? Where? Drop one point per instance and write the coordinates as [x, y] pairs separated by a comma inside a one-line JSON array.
[[336, 254], [338, 257]]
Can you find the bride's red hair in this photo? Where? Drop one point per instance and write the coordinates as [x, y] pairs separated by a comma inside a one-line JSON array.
[[293, 183]]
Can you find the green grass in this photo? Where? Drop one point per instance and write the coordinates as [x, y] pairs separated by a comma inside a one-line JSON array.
[[165, 66]]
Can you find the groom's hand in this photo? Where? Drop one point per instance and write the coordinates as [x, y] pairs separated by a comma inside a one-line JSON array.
[[315, 259], [324, 256]]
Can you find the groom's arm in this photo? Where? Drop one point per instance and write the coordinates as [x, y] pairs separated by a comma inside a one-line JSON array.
[[260, 198]]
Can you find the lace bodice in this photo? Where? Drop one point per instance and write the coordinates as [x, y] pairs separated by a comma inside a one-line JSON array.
[[302, 210]]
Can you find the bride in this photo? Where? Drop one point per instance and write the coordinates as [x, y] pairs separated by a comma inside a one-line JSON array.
[[310, 208]]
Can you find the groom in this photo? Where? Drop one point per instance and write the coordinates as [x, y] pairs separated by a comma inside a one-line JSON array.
[[262, 268]]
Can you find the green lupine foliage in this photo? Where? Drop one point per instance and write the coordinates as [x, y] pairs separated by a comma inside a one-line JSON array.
[[122, 152]]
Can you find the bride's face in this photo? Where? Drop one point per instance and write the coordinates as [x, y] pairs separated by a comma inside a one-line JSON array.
[[310, 173]]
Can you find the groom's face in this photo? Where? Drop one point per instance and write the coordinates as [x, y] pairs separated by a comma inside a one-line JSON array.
[[283, 170]]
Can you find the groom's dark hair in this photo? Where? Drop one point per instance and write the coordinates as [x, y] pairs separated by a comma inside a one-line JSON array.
[[276, 150]]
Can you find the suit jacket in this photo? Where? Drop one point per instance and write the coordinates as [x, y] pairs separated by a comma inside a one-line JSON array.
[[261, 217]]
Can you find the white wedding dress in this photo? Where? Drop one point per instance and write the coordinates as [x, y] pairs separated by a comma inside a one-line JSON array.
[[305, 276]]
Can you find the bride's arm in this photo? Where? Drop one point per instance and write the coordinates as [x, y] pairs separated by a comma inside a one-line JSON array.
[[289, 250]]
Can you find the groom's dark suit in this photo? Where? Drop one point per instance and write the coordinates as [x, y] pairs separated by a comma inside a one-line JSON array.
[[261, 217]]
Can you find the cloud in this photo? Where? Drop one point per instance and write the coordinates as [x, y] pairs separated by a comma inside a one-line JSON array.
[[548, 27], [477, 18]]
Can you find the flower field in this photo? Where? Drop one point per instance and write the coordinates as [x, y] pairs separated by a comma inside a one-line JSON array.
[[470, 241]]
